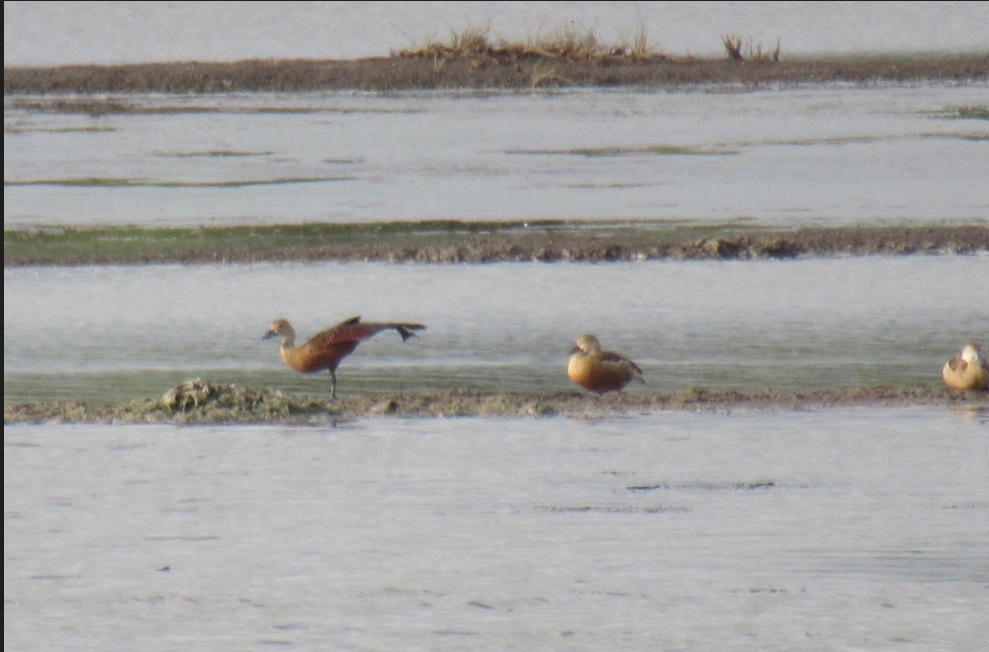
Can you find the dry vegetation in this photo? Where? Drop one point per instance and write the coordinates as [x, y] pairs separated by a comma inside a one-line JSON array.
[[754, 53], [567, 43]]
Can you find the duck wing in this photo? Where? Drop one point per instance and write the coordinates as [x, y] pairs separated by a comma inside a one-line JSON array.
[[354, 331], [611, 356]]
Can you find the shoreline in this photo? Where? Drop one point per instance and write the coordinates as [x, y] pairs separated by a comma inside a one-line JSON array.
[[483, 242], [197, 402], [487, 70]]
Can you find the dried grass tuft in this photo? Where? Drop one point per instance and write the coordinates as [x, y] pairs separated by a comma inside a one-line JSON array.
[[733, 46], [753, 52], [568, 41]]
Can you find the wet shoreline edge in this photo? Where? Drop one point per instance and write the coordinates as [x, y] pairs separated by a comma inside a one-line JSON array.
[[201, 403]]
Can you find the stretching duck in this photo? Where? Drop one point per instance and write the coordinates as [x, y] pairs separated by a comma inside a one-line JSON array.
[[327, 349]]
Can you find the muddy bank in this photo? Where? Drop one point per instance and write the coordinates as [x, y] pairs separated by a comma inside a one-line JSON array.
[[465, 242], [576, 247], [200, 402], [434, 70]]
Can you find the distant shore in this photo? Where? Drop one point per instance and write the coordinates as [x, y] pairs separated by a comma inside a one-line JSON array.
[[198, 402], [434, 70]]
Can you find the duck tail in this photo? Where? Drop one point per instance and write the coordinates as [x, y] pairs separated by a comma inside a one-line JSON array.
[[405, 330]]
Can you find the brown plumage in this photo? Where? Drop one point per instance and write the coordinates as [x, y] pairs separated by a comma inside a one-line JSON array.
[[967, 370], [600, 371], [325, 350]]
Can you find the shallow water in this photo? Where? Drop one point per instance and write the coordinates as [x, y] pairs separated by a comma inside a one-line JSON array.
[[832, 530], [103, 333], [781, 156], [828, 530]]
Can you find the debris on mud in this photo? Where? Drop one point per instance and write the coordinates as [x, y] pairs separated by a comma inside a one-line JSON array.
[[201, 402]]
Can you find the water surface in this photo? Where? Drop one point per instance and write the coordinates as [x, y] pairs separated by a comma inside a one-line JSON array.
[[122, 332], [840, 529], [828, 155]]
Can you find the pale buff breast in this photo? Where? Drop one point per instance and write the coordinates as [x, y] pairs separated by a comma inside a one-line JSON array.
[[597, 375], [965, 375]]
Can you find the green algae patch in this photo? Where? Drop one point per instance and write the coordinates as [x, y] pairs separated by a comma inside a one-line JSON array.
[[214, 153], [115, 182], [659, 150], [98, 107], [98, 182], [426, 241], [964, 112], [58, 130]]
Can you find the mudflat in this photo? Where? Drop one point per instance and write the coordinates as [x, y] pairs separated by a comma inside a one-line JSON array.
[[481, 242], [437, 68], [201, 402]]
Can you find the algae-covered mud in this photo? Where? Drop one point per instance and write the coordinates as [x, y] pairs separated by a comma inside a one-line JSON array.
[[480, 242], [202, 402]]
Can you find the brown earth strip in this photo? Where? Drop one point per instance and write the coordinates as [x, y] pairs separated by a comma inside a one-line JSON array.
[[524, 245], [485, 71], [199, 402], [581, 248]]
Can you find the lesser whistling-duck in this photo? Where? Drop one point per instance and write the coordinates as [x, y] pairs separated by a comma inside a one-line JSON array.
[[325, 350], [600, 371]]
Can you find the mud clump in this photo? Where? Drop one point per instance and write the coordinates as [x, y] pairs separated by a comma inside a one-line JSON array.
[[201, 402]]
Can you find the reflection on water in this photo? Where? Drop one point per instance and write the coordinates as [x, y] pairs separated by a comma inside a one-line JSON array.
[[127, 332], [856, 529], [821, 155]]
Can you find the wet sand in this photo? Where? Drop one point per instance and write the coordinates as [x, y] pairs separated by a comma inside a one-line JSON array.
[[200, 402]]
